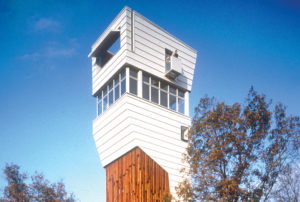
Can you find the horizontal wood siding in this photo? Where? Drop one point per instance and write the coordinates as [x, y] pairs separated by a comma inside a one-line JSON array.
[[102, 75], [150, 42], [136, 177]]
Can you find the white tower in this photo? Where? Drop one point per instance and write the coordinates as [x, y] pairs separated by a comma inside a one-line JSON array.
[[142, 95]]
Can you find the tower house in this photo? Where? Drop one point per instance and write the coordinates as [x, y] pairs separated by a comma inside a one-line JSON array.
[[141, 77]]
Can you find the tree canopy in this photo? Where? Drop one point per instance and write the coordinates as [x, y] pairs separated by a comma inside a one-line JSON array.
[[40, 189], [236, 152]]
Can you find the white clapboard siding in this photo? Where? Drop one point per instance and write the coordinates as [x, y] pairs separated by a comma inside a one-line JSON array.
[[150, 42], [115, 24], [130, 110], [109, 70], [134, 122], [101, 75]]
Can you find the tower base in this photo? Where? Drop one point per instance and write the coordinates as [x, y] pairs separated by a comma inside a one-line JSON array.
[[136, 177]]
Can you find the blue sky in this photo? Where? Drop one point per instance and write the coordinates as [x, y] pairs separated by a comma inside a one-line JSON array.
[[46, 107]]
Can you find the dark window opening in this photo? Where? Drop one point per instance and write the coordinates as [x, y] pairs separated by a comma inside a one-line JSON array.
[[108, 48], [168, 55]]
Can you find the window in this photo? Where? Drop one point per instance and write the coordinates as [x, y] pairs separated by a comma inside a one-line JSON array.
[[104, 99], [117, 87], [168, 55], [100, 104], [162, 93], [123, 82], [146, 86], [180, 101], [154, 90], [133, 81], [111, 92], [107, 49]]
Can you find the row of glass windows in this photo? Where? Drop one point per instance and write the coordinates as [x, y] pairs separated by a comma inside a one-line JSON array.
[[162, 93], [110, 93], [153, 89]]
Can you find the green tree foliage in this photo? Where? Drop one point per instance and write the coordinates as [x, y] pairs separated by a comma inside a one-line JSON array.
[[236, 152], [38, 190]]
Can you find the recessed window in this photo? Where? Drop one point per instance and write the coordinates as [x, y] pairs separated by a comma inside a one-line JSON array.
[[168, 55], [111, 92], [108, 48], [162, 93], [153, 89], [146, 86], [133, 81], [172, 100]]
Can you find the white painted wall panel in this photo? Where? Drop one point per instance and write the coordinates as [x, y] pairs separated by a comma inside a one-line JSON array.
[[133, 121], [150, 43], [157, 42], [161, 33], [152, 68], [102, 75]]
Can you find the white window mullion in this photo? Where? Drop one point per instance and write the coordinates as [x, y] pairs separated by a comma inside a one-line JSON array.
[[186, 103], [140, 83], [127, 79], [102, 101], [150, 87], [177, 107], [159, 92], [168, 95], [113, 90]]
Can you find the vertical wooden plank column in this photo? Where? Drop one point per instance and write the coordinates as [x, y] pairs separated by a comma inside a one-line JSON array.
[[136, 177]]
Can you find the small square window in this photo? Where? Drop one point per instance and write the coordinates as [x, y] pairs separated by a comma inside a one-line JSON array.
[[184, 133]]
